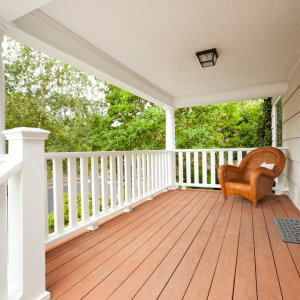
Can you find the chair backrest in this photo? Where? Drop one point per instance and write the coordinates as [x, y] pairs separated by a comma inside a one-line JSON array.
[[255, 158]]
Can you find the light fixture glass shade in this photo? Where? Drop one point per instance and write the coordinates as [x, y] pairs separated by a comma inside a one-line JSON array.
[[207, 58]]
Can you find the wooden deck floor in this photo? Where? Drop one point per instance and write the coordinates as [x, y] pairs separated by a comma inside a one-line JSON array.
[[182, 245]]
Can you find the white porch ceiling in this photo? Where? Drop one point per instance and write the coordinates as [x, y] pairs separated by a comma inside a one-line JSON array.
[[258, 43]]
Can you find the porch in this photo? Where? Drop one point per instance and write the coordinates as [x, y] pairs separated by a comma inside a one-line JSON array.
[[183, 244]]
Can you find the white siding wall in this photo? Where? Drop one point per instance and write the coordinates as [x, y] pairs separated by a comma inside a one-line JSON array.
[[291, 135]]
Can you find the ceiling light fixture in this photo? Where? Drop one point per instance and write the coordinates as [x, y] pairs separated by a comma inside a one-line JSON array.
[[207, 58]]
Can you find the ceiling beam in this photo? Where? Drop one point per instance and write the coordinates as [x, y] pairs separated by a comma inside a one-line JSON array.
[[42, 33], [247, 93]]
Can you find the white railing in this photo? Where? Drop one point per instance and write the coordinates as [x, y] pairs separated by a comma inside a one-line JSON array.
[[9, 167], [198, 167], [138, 175], [125, 178], [22, 249]]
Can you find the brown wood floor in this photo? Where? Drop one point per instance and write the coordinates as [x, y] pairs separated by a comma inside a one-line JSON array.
[[182, 245]]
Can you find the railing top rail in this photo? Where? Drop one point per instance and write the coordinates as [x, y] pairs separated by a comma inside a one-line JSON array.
[[99, 153], [4, 157], [222, 149], [10, 168]]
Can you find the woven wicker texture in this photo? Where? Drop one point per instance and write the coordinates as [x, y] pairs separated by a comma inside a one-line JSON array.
[[249, 179]]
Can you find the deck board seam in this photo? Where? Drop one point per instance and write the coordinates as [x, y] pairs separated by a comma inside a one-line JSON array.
[[237, 251], [255, 266], [272, 248], [184, 252], [146, 242], [220, 249], [114, 219], [187, 287], [109, 235], [113, 243], [188, 194], [287, 243]]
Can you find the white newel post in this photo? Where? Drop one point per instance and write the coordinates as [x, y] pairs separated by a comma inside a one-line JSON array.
[[2, 93], [26, 214], [170, 145]]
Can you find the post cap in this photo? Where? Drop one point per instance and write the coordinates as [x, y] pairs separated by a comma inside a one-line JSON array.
[[26, 133]]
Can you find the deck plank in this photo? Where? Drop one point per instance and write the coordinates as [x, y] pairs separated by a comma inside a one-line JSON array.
[[223, 282], [162, 264], [84, 279], [292, 205], [286, 210], [176, 282], [83, 257], [185, 244], [160, 244], [119, 228], [245, 278], [266, 275], [84, 237], [200, 284], [287, 273]]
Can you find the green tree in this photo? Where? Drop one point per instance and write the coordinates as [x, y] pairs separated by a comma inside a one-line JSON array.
[[45, 93], [264, 124], [127, 123]]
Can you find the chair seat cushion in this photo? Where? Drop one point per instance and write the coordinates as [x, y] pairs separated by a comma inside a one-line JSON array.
[[238, 186]]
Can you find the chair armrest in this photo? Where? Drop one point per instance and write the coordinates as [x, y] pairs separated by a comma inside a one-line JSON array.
[[256, 173], [228, 173]]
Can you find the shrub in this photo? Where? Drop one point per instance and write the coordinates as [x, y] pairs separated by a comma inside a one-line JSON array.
[[66, 210]]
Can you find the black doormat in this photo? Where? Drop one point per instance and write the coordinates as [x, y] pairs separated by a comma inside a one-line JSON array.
[[289, 229]]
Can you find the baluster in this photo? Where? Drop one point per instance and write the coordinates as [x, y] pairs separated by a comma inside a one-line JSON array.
[[139, 167], [152, 172], [230, 158], [84, 183], [204, 168], [104, 186], [221, 158], [127, 179], [188, 167], [180, 161], [240, 157], [3, 244], [196, 167], [120, 181], [166, 169], [149, 172], [58, 199], [213, 168], [134, 187], [162, 170], [72, 192], [45, 205], [159, 170], [156, 171], [144, 175], [113, 196]]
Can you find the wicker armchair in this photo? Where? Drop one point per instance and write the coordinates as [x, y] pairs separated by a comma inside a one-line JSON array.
[[249, 179]]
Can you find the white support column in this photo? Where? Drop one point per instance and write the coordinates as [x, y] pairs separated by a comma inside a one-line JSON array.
[[170, 145], [26, 215], [2, 92]]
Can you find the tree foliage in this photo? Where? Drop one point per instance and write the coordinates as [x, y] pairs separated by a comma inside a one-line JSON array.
[[45, 93], [264, 124]]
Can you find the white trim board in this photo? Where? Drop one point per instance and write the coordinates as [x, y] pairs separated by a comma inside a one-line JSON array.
[[252, 92]]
